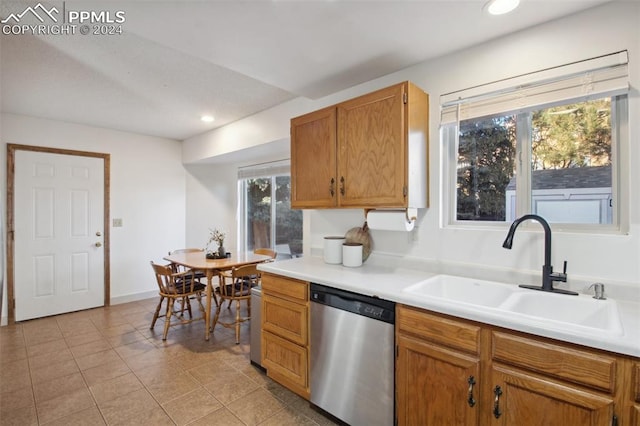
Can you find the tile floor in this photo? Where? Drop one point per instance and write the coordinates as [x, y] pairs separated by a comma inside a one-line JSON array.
[[104, 366]]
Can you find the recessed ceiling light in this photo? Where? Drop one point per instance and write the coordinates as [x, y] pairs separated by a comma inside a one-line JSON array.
[[207, 118], [500, 7]]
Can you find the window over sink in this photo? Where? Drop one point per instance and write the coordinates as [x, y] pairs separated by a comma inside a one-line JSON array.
[[547, 143]]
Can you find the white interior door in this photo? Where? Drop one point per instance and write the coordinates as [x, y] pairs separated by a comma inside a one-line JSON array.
[[58, 240]]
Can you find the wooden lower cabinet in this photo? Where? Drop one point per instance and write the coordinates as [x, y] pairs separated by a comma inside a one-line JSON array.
[[524, 399], [436, 385], [635, 394], [285, 362], [443, 363], [285, 332]]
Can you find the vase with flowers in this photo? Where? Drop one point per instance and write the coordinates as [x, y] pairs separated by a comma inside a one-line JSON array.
[[218, 237]]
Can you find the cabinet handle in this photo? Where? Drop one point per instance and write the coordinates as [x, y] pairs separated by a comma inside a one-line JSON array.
[[497, 391], [341, 185], [470, 400], [332, 187]]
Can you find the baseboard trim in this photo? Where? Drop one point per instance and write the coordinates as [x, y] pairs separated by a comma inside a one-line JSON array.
[[118, 300]]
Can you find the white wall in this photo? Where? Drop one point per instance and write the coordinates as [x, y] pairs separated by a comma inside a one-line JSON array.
[[606, 29], [211, 204], [147, 193], [212, 195]]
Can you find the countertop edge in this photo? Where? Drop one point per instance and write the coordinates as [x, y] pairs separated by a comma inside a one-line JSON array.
[[389, 281]]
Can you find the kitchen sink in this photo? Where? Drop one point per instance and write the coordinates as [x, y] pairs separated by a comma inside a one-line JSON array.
[[581, 311], [463, 290]]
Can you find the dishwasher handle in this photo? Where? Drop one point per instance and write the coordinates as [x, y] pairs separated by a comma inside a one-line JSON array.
[[367, 306]]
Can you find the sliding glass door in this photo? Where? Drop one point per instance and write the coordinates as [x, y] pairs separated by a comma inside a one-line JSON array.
[[267, 220]]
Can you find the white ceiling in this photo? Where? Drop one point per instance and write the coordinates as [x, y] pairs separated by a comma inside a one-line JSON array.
[[176, 60]]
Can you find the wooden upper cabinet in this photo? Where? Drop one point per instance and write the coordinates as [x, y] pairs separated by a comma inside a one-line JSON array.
[[376, 157], [372, 158], [313, 160]]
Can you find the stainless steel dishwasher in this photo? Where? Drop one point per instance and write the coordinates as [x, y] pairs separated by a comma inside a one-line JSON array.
[[352, 356], [255, 327]]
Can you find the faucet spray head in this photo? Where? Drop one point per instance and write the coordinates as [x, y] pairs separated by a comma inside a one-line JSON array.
[[508, 242]]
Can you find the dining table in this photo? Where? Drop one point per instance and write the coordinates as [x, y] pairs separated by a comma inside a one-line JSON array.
[[198, 261]]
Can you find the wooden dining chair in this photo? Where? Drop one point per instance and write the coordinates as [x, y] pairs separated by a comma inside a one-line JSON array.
[[263, 251], [200, 276], [266, 252], [237, 288], [174, 286]]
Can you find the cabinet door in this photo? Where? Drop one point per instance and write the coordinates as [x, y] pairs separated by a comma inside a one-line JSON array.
[[635, 392], [433, 385], [372, 149], [524, 399], [286, 319], [286, 363], [285, 288], [313, 160]]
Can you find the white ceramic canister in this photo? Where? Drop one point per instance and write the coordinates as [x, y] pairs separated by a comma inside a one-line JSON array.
[[352, 254], [333, 250]]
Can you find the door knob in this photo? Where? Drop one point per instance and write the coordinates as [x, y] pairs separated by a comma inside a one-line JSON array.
[[98, 244], [98, 234]]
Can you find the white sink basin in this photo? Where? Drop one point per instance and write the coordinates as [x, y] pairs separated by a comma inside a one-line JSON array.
[[463, 290], [581, 311]]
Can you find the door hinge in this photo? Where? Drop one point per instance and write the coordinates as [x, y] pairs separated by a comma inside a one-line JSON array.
[[405, 191], [13, 304], [614, 420], [397, 351], [405, 98]]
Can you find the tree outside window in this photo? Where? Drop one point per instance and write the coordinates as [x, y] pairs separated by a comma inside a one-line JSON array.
[[564, 137], [268, 198]]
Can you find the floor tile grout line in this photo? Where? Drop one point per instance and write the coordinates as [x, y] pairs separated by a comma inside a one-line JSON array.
[[133, 319], [81, 375], [33, 393]]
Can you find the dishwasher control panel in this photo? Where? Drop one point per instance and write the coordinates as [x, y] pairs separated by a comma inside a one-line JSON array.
[[371, 307]]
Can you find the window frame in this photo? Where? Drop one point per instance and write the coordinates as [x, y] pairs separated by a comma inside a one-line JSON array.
[[449, 135], [271, 171]]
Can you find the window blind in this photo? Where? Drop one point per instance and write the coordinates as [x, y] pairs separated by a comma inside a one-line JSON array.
[[592, 78], [274, 168]]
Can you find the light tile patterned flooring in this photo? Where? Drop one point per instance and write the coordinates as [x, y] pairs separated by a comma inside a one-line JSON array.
[[105, 366]]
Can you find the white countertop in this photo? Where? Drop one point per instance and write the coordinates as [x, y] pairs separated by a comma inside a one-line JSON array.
[[387, 281]]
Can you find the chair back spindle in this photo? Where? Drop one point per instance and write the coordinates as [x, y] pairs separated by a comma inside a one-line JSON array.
[[180, 287]]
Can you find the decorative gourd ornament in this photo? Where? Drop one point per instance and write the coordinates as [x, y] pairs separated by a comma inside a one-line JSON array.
[[360, 235]]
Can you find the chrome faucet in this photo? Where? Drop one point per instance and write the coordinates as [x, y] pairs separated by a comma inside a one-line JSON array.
[[548, 276]]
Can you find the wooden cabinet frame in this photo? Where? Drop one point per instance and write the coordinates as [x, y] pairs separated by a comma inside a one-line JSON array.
[[519, 378], [285, 331], [370, 151]]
